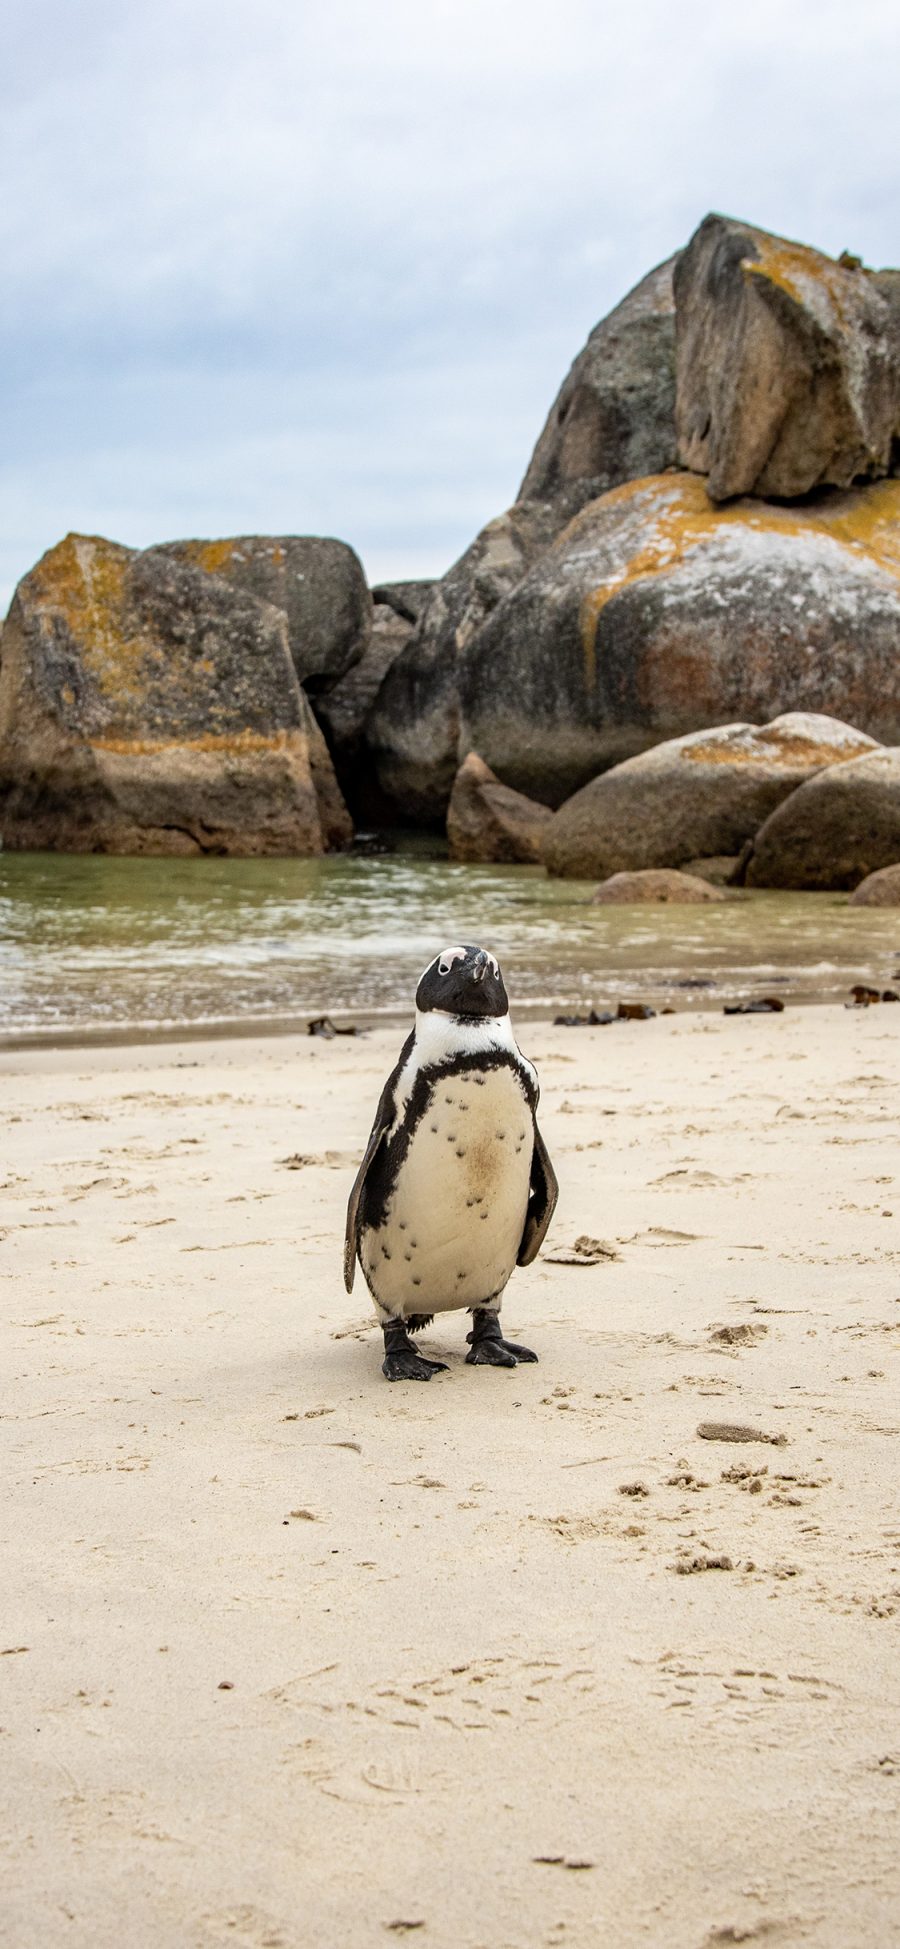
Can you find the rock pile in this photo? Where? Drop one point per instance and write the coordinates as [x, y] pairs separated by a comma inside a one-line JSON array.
[[623, 601], [682, 640]]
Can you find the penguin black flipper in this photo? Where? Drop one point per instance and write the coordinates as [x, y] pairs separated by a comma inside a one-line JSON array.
[[541, 1201], [384, 1117]]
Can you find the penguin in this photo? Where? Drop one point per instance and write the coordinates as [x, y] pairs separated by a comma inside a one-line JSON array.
[[456, 1187]]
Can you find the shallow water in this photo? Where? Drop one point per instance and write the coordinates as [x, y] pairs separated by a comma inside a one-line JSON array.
[[112, 944]]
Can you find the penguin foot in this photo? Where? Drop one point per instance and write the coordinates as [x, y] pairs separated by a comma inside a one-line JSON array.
[[401, 1362], [488, 1347]]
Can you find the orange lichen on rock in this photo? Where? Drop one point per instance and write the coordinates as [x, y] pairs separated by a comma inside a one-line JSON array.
[[679, 517], [827, 289], [797, 741], [866, 519], [212, 556], [83, 580], [238, 742], [795, 751]]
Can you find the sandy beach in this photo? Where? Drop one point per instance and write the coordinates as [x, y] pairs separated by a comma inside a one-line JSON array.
[[295, 1658]]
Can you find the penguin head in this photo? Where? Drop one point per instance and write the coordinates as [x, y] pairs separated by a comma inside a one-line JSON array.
[[463, 981]]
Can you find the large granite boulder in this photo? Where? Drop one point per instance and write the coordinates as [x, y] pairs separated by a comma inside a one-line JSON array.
[[658, 889], [692, 797], [788, 365], [881, 889], [146, 706], [487, 821], [655, 614], [835, 830], [317, 582], [613, 418]]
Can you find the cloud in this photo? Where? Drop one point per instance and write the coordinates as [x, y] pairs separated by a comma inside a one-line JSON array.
[[322, 267]]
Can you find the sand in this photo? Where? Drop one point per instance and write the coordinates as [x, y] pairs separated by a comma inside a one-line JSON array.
[[292, 1657]]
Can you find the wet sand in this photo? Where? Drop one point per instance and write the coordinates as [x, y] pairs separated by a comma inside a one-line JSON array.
[[293, 1658]]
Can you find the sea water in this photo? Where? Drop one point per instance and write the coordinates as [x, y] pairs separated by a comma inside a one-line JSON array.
[[100, 945]]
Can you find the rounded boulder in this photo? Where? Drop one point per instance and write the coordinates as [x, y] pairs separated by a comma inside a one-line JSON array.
[[835, 830], [692, 797], [881, 889], [662, 888]]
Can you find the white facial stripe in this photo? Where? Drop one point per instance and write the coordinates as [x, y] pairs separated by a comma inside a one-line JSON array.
[[453, 954]]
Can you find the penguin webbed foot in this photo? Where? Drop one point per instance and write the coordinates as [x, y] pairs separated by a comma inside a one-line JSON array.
[[401, 1361], [488, 1347]]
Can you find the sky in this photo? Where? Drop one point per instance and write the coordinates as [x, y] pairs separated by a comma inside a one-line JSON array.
[[320, 266]]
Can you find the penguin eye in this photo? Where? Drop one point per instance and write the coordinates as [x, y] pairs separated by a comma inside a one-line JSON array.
[[448, 957]]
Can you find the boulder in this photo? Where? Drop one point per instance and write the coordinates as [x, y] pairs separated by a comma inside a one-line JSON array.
[[719, 869], [788, 375], [787, 368], [661, 888], [413, 730], [881, 889], [407, 599], [148, 707], [317, 582], [487, 821], [613, 418], [344, 714], [692, 797], [835, 830], [655, 614]]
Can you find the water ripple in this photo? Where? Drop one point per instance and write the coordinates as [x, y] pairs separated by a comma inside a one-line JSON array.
[[93, 942]]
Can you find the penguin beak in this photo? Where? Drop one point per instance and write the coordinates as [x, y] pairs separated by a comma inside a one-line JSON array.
[[479, 965]]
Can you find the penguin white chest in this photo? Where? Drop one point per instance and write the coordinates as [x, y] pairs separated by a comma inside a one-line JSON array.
[[454, 1221]]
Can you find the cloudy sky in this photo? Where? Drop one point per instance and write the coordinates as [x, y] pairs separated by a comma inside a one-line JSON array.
[[319, 266]]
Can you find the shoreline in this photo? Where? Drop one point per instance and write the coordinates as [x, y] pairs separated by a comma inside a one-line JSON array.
[[92, 953], [242, 1028]]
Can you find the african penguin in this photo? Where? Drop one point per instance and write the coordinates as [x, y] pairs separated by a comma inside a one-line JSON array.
[[456, 1187]]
